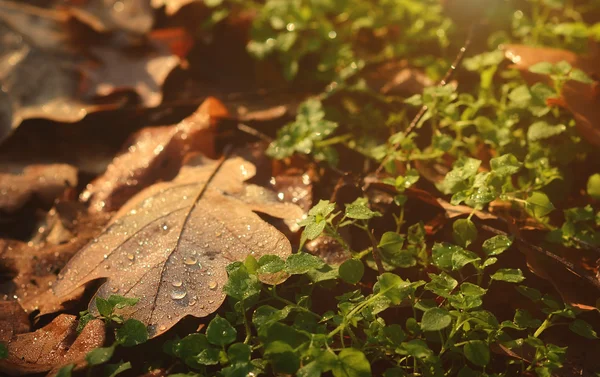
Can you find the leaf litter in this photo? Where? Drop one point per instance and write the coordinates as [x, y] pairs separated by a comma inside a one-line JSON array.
[[170, 243], [49, 70]]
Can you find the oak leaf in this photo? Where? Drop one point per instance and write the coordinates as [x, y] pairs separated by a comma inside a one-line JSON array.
[[153, 154], [52, 346], [169, 245]]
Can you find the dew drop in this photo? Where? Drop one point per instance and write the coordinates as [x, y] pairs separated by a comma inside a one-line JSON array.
[[162, 328], [165, 227], [130, 257], [105, 256], [177, 283], [178, 295], [114, 289], [192, 303], [213, 285], [190, 261]]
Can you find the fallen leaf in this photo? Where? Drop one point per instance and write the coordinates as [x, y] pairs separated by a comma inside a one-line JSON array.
[[154, 154], [46, 70], [143, 69], [580, 99], [33, 266], [18, 184], [36, 83], [133, 16], [13, 320], [52, 346], [169, 245], [573, 273], [397, 78]]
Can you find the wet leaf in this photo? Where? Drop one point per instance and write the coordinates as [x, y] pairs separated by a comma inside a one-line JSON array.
[[170, 244], [154, 154], [53, 346], [35, 265], [13, 320]]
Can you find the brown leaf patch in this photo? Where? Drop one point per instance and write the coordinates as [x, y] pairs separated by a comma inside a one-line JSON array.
[[154, 154], [169, 245], [13, 320], [36, 264], [52, 346], [19, 183]]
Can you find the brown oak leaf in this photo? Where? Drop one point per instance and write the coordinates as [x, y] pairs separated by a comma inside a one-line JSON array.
[[169, 245], [154, 154], [52, 346]]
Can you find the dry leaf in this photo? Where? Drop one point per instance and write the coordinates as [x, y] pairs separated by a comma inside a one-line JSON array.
[[19, 183], [169, 245], [52, 346], [36, 83], [34, 265], [143, 69], [45, 70], [133, 16], [154, 154], [579, 98]]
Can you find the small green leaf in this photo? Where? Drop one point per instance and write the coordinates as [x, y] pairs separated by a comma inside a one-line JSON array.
[[435, 319], [531, 293], [511, 275], [132, 333], [220, 332], [270, 264], [105, 308], [391, 286], [282, 357], [477, 352], [241, 285], [111, 370], [464, 232], [441, 284], [121, 302], [65, 371], [539, 205], [391, 242], [542, 68], [99, 355], [581, 327], [301, 263], [359, 210], [593, 186], [524, 320], [469, 289], [191, 346], [496, 245], [351, 363], [579, 75], [351, 271], [3, 351], [505, 165], [542, 130]]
